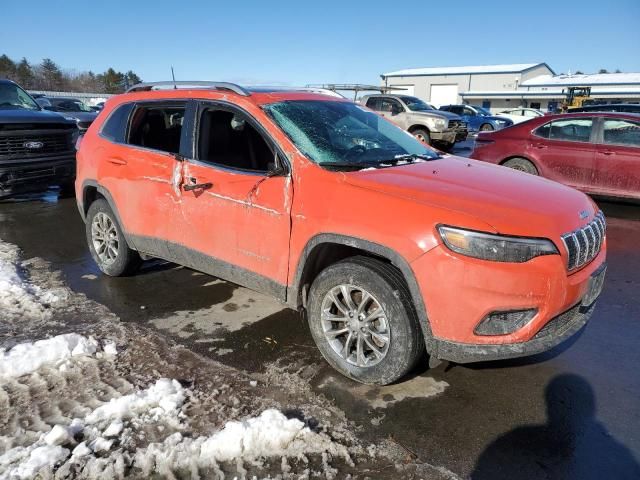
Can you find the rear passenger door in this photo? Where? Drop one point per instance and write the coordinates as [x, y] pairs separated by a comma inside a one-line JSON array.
[[140, 171], [235, 201], [618, 157], [563, 150]]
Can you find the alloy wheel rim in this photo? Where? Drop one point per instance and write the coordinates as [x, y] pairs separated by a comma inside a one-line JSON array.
[[355, 325], [104, 237]]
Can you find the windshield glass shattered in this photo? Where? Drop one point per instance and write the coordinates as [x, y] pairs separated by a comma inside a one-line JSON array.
[[344, 134], [13, 97]]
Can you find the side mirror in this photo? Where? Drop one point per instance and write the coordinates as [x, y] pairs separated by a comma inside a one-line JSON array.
[[275, 168], [395, 110]]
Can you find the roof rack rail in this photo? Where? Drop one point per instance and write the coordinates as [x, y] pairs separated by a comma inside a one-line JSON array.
[[147, 86]]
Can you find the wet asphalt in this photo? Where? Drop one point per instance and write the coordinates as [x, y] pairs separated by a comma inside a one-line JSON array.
[[570, 413]]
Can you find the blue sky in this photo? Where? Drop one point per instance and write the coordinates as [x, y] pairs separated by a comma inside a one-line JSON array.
[[298, 42]]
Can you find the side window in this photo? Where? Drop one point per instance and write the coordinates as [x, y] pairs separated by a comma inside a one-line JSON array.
[[529, 113], [468, 111], [374, 103], [572, 130], [390, 105], [621, 132], [157, 126], [457, 110], [228, 139], [115, 126]]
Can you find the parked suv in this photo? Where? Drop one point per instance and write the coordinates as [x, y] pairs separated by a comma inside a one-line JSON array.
[[419, 118], [385, 244], [71, 108], [478, 118], [37, 147]]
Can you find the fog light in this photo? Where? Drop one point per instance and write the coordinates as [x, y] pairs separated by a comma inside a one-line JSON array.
[[503, 323]]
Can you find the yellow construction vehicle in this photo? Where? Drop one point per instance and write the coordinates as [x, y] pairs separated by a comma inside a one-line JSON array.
[[575, 97]]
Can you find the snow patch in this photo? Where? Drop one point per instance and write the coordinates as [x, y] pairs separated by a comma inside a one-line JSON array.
[[19, 298], [28, 357]]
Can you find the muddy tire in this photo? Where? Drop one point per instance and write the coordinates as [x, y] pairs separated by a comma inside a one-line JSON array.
[[521, 164], [363, 321], [422, 134], [486, 127], [106, 241]]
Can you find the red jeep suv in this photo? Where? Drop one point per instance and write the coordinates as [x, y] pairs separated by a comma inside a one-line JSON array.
[[389, 246]]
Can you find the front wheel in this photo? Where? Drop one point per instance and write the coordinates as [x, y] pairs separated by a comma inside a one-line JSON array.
[[422, 135], [106, 241], [363, 321], [486, 127], [521, 164]]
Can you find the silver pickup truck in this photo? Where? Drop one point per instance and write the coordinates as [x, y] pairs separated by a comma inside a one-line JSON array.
[[419, 118]]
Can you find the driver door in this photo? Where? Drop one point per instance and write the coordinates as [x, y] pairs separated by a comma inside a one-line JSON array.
[[392, 109], [235, 202]]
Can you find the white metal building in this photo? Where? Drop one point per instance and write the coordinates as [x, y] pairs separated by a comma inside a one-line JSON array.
[[499, 87]]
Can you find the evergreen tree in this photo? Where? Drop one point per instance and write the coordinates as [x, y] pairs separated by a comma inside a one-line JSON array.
[[7, 67], [51, 75], [603, 70], [24, 74]]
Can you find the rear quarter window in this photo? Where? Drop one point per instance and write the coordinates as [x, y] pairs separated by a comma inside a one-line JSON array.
[[115, 127]]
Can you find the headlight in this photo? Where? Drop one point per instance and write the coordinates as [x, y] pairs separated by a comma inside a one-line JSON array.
[[496, 248], [440, 123]]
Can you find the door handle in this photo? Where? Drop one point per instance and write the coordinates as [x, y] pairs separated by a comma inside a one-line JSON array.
[[116, 161], [194, 185], [608, 152], [539, 146]]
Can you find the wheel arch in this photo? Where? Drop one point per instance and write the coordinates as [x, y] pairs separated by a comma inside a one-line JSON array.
[[326, 249], [524, 157], [92, 191], [418, 126]]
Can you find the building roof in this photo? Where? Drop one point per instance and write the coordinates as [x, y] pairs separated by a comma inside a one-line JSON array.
[[583, 80], [512, 68], [550, 93]]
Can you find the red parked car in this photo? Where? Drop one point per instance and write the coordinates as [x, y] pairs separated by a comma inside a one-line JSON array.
[[596, 152]]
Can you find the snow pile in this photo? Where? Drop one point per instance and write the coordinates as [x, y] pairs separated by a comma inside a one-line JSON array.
[[18, 298], [28, 357], [271, 434], [98, 443], [99, 430]]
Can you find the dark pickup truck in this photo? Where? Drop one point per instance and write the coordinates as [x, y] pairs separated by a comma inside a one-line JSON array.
[[37, 147]]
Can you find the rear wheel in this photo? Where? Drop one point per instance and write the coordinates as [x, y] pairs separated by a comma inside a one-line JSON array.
[[422, 135], [521, 164], [106, 241], [486, 127], [363, 321]]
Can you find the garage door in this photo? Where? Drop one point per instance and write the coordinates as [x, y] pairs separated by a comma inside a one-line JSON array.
[[444, 94]]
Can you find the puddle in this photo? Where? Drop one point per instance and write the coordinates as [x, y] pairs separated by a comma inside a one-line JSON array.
[[382, 397]]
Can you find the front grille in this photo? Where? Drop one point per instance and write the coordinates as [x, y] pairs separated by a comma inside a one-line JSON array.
[[35, 144], [457, 124], [584, 244]]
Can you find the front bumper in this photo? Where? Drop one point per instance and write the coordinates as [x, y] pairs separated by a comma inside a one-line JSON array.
[[31, 175], [459, 292], [447, 136], [555, 332]]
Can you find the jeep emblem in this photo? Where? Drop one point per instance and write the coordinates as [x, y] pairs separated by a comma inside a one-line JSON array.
[[583, 214], [33, 145]]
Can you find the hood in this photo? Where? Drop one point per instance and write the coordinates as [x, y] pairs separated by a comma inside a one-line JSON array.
[[31, 116], [429, 113], [512, 202], [80, 116], [445, 114]]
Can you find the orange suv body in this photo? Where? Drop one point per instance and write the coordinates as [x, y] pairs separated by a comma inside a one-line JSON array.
[[271, 190]]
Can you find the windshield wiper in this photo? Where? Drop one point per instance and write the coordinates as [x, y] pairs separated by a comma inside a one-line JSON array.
[[354, 165], [412, 157]]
